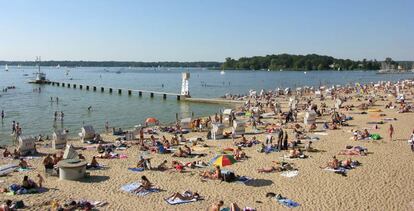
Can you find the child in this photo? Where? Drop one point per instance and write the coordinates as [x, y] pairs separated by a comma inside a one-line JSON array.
[[40, 180]]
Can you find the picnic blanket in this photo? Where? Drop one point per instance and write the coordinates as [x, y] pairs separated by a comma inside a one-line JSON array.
[[132, 186], [289, 174]]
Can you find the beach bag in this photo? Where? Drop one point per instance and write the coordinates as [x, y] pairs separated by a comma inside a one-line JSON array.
[[18, 204]]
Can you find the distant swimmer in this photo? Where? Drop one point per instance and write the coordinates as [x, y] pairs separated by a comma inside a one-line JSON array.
[[89, 108], [162, 85]]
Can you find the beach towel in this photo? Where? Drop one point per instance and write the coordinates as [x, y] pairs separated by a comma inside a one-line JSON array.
[[290, 173], [321, 133], [178, 201], [287, 202], [131, 187], [136, 169], [338, 170]]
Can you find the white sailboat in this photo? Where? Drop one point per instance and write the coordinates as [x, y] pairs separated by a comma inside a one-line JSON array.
[[6, 68], [222, 72]]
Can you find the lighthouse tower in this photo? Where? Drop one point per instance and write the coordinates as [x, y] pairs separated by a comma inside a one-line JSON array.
[[185, 92]]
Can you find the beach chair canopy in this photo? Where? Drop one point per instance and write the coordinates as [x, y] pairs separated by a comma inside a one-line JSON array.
[[151, 120]]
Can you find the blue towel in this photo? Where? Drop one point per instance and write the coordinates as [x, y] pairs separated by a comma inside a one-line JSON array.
[[288, 203], [131, 187], [136, 169]]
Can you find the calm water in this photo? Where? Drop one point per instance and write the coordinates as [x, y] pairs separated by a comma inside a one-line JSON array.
[[35, 112]]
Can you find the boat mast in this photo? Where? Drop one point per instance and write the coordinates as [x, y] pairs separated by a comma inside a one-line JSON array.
[[38, 62]]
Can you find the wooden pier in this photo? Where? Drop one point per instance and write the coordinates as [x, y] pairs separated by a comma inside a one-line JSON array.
[[130, 92]]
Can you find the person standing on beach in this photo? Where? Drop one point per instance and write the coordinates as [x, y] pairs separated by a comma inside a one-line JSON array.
[[2, 115], [57, 99], [107, 127], [13, 127], [61, 115], [391, 131]]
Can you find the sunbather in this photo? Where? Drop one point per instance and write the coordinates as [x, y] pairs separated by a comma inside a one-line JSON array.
[[212, 175], [162, 166], [7, 153], [145, 185], [28, 183], [216, 206], [23, 164], [188, 195]]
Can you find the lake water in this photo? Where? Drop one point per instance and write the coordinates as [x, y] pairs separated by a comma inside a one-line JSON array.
[[35, 112]]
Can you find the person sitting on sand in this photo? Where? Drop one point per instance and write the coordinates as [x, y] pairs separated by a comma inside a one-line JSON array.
[[144, 163], [216, 206], [346, 163], [81, 157], [6, 153], [48, 163], [145, 185], [180, 153], [334, 163], [308, 147], [187, 150], [295, 153], [56, 159], [28, 183], [23, 164], [94, 163], [162, 166], [312, 127], [239, 154], [6, 206], [100, 148], [188, 195], [16, 154], [212, 175]]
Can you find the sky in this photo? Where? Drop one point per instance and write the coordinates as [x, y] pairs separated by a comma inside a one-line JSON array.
[[204, 30]]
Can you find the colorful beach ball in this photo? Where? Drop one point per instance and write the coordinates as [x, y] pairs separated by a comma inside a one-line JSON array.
[[223, 160]]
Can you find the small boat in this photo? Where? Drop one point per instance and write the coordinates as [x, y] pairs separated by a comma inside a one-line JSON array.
[[58, 66], [222, 72], [40, 77], [118, 72], [304, 72], [6, 68]]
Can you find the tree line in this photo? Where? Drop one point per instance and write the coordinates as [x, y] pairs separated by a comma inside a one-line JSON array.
[[114, 64], [298, 62]]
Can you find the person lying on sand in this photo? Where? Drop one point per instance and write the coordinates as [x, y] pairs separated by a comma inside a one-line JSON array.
[[94, 163], [145, 185], [144, 163], [334, 163], [296, 153], [280, 166], [212, 175], [188, 195], [177, 166], [180, 153]]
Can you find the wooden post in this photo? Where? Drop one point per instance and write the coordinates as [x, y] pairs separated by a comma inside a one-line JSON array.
[[164, 96], [87, 87], [178, 97], [110, 90], [94, 88], [68, 85], [140, 93], [57, 83], [74, 86], [119, 91], [102, 89], [129, 92], [80, 86]]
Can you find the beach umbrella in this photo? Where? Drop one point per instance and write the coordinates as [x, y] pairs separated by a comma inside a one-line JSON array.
[[151, 120], [223, 160]]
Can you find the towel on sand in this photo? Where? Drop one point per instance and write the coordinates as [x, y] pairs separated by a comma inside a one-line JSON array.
[[338, 170], [290, 173], [287, 202], [136, 169], [131, 187], [178, 201]]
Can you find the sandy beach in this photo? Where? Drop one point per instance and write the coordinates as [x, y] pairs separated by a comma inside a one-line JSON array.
[[383, 181]]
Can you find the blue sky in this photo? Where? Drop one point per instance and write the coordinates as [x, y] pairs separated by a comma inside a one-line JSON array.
[[204, 30]]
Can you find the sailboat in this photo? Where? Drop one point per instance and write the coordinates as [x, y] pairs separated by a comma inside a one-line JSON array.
[[6, 68], [222, 72]]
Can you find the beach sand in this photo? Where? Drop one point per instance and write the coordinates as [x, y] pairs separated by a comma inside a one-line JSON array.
[[383, 181]]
